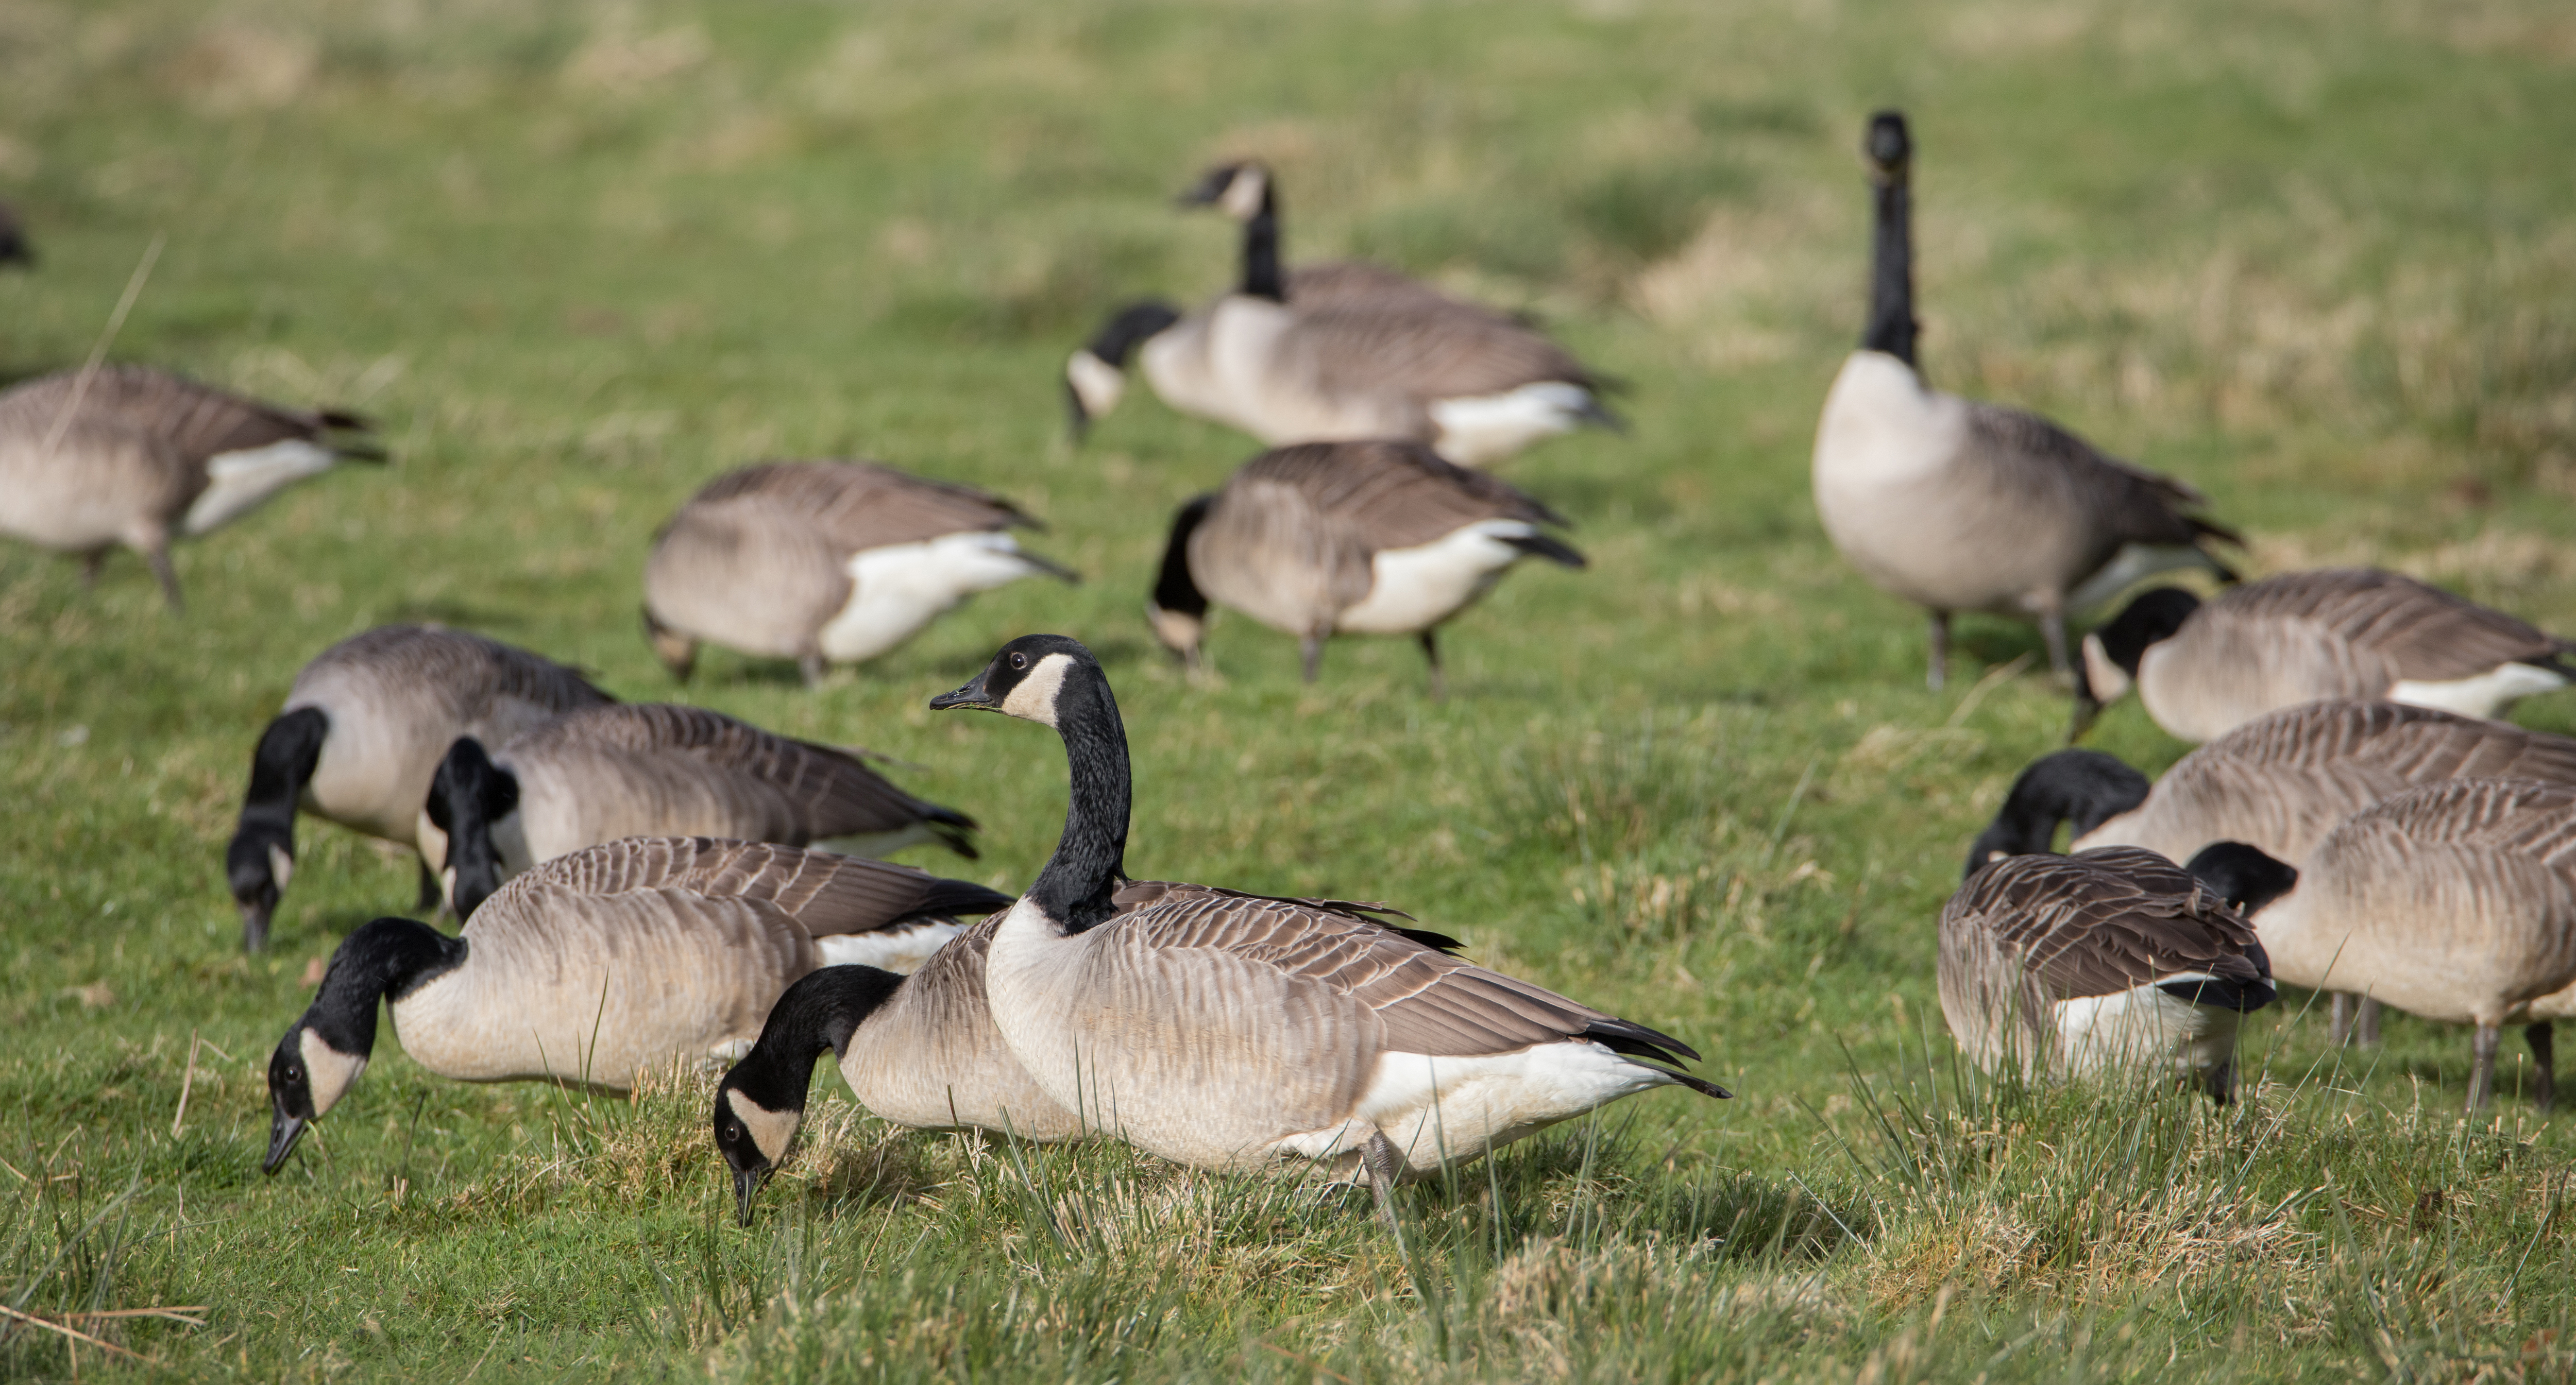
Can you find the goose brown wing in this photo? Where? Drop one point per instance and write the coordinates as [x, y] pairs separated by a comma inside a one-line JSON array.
[[2404, 742], [1426, 1000], [1426, 347], [863, 505], [1359, 284], [825, 892], [2424, 632], [196, 421], [468, 669], [2127, 503], [1389, 494], [2104, 921], [2517, 817]]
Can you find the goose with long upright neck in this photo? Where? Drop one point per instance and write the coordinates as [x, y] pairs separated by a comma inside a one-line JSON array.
[[1961, 506], [1230, 1030]]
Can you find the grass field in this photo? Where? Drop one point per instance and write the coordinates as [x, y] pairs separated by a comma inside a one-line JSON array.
[[2319, 259]]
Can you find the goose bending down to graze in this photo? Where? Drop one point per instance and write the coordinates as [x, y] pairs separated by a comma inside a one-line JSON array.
[[2115, 958], [1229, 1030], [2455, 901], [825, 562], [1961, 506], [653, 769], [593, 967], [918, 1050], [2202, 668], [363, 730], [1368, 538], [90, 459], [1339, 353]]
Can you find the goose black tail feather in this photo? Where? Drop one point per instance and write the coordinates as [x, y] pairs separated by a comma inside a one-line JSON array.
[[1544, 546], [1441, 942], [959, 899], [1699, 1085], [954, 829], [2222, 993], [1637, 1041]]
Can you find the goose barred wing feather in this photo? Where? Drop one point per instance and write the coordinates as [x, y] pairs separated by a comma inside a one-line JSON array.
[[2423, 632], [194, 421], [2100, 922], [1358, 284], [1425, 1000], [466, 671], [2129, 503], [825, 893], [1388, 494], [863, 505], [1424, 347]]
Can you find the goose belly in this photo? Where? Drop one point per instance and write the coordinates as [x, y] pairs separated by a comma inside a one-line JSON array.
[[1485, 429], [1416, 588], [1446, 1110], [601, 1027], [898, 589], [2145, 1028], [239, 482], [2486, 695]]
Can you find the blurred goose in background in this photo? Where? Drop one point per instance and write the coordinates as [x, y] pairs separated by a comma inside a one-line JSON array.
[[1371, 538], [2107, 959], [822, 562], [1228, 1030], [592, 968], [2202, 668], [363, 730], [90, 459], [1961, 506], [654, 769], [918, 1050], [2454, 901], [14, 246], [1338, 352]]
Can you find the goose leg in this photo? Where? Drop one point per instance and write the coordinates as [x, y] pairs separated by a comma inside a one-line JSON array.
[[1431, 651], [1310, 651], [2052, 632], [2339, 1019], [810, 663], [429, 896], [1378, 1156], [2544, 1073], [2482, 1069], [2221, 1081], [1940, 673], [92, 563], [158, 555], [2365, 1022]]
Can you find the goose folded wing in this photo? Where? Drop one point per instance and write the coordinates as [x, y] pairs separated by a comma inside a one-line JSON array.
[[863, 505], [2424, 632], [829, 792], [1388, 494], [1426, 350], [2110, 920], [2132, 504], [824, 892], [199, 420]]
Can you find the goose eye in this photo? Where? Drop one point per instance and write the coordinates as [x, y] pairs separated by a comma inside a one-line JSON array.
[[1019, 661]]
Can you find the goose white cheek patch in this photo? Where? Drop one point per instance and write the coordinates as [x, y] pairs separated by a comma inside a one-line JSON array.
[[771, 1130], [1034, 698], [327, 1071]]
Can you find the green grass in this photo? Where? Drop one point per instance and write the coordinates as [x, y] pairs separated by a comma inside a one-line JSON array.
[[2315, 258]]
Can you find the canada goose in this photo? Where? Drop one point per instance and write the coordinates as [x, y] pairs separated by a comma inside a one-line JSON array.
[[1340, 352], [2455, 901], [824, 561], [362, 732], [593, 967], [2108, 958], [14, 249], [918, 1050], [1230, 1030], [654, 769], [1325, 538], [2203, 668], [124, 454], [1961, 506]]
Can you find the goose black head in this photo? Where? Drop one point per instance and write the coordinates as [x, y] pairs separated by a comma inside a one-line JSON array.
[[1240, 190], [2243, 875], [467, 796], [14, 249], [2113, 650], [1024, 680], [1178, 609], [761, 1102], [1889, 147], [1095, 377], [326, 1048], [2084, 787]]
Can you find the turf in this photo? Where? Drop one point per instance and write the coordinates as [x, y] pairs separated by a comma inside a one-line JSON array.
[[2315, 259]]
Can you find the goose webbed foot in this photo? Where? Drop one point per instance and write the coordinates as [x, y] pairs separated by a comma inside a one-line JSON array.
[[2544, 1066]]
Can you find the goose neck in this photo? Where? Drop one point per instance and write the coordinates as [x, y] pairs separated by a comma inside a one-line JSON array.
[[822, 1011], [386, 959], [1091, 859], [1262, 276], [1891, 284]]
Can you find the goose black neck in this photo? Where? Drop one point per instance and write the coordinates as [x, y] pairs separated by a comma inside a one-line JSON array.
[[1891, 281], [1262, 277], [1176, 590], [467, 795], [819, 1012], [279, 769], [2084, 787], [1089, 862], [384, 960]]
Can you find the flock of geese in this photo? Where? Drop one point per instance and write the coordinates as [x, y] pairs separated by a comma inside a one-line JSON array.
[[637, 881]]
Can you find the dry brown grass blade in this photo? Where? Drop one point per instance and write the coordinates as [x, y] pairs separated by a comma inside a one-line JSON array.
[[73, 1332]]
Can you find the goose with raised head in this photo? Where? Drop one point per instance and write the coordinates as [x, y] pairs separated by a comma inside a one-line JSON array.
[[825, 562], [2107, 959], [658, 770], [594, 967], [2454, 901], [1956, 505], [1230, 1030], [1339, 352], [124, 454], [1367, 538], [918, 1050], [362, 733], [2203, 668]]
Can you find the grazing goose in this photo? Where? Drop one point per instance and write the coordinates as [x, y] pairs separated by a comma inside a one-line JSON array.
[[2108, 958], [90, 459], [918, 1050], [1229, 1030], [2455, 901], [1339, 352], [1365, 538], [824, 561], [361, 735], [2204, 668], [14, 249], [1961, 506], [654, 769], [594, 967]]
